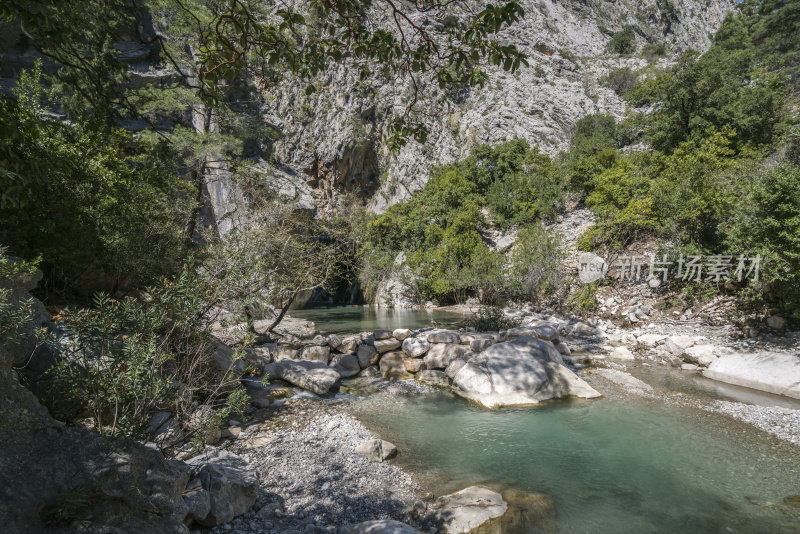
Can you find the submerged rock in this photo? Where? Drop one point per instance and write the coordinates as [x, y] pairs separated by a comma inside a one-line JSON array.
[[524, 371], [469, 509]]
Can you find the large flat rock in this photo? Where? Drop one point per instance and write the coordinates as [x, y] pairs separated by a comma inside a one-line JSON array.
[[523, 371], [773, 372], [310, 375]]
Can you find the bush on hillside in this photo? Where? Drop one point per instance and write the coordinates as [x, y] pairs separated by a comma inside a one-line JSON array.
[[623, 42]]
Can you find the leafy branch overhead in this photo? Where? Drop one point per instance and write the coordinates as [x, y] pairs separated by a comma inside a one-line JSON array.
[[384, 36]]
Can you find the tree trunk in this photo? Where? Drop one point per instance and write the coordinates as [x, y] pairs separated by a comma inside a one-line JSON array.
[[282, 313]]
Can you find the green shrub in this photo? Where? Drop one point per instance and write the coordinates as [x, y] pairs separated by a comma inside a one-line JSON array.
[[438, 228], [535, 264], [622, 42], [651, 51], [123, 360], [490, 319], [620, 80]]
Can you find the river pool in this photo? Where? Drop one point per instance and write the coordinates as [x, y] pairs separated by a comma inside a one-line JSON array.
[[611, 465]]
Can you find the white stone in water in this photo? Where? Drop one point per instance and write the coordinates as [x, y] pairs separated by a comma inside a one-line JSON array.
[[466, 510], [523, 371], [773, 372]]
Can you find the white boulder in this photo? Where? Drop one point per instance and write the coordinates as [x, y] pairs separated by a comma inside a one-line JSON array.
[[774, 372], [524, 371]]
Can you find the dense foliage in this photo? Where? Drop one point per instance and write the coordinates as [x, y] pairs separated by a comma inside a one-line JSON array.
[[723, 176], [99, 208], [441, 229]]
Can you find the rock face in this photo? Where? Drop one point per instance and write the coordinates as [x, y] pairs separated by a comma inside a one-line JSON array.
[[524, 371], [777, 373], [227, 482], [310, 375], [377, 450]]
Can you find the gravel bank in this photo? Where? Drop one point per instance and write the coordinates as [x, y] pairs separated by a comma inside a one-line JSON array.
[[312, 481], [781, 422]]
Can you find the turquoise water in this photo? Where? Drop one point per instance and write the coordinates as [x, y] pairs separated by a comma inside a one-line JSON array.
[[610, 465], [365, 318]]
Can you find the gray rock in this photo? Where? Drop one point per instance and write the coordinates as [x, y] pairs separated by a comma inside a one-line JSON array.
[[773, 372], [441, 354], [334, 342], [258, 357], [197, 501], [231, 484], [582, 329], [776, 322], [319, 340], [310, 375], [392, 364], [401, 334], [677, 345], [415, 347], [433, 378], [478, 345], [316, 353], [283, 352], [524, 371], [349, 345], [703, 355], [382, 334], [382, 526], [621, 353], [454, 367], [377, 450], [345, 364], [367, 355], [414, 365], [444, 336], [386, 345], [540, 331]]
